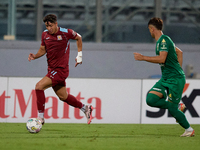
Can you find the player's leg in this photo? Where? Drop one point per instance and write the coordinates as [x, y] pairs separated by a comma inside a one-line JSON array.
[[181, 119], [175, 94], [178, 115], [43, 84], [61, 92], [156, 97], [65, 97]]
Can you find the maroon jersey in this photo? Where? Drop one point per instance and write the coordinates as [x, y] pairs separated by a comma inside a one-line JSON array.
[[57, 47]]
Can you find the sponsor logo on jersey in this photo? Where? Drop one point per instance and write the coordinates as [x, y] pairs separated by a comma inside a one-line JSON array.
[[163, 47], [163, 41], [163, 44], [59, 37]]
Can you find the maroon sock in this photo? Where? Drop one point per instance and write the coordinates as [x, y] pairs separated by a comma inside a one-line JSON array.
[[71, 100], [40, 100]]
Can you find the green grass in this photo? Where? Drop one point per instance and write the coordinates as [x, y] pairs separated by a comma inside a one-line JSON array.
[[14, 136]]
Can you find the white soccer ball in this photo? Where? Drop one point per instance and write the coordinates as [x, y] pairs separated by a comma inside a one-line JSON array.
[[34, 125]]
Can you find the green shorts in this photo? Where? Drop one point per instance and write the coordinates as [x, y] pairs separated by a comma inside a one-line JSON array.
[[171, 88]]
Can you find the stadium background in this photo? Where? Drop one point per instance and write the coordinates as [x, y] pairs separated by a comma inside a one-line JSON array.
[[111, 30], [121, 31]]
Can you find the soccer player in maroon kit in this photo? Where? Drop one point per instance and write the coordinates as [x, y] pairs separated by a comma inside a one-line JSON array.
[[55, 44]]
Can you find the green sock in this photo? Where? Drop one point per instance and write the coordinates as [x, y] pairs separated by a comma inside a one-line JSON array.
[[178, 115], [154, 100]]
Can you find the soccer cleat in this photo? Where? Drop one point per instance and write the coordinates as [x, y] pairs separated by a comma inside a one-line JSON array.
[[88, 113], [188, 134], [41, 119], [181, 107]]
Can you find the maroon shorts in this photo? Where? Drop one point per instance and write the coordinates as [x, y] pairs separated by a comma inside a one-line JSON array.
[[58, 76]]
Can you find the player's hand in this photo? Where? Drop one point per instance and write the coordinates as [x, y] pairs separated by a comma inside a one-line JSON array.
[[78, 58], [31, 57], [138, 56], [77, 62]]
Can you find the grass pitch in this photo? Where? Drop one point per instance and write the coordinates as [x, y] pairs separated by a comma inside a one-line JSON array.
[[14, 136]]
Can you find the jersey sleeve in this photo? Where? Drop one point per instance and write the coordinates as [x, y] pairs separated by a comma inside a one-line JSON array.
[[71, 34], [164, 45], [42, 39]]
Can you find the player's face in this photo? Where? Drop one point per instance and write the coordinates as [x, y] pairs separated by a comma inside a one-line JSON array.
[[52, 27], [151, 29]]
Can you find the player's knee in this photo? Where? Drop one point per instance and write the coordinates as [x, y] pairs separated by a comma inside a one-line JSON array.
[[38, 86], [62, 97], [151, 99]]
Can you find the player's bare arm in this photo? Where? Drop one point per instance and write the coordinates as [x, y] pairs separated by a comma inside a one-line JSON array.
[[79, 46], [179, 56], [153, 59], [40, 53]]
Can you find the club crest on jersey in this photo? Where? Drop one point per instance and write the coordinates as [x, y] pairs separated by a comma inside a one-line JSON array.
[[59, 37], [170, 97]]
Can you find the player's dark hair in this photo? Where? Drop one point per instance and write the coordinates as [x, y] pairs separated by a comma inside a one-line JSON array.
[[156, 22], [50, 18]]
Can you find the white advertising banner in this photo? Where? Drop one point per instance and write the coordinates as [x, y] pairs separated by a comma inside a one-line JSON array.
[[114, 101], [3, 98], [190, 97]]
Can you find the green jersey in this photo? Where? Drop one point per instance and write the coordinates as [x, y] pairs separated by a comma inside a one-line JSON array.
[[171, 68]]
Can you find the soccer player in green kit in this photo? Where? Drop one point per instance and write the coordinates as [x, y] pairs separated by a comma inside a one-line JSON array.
[[173, 78]]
